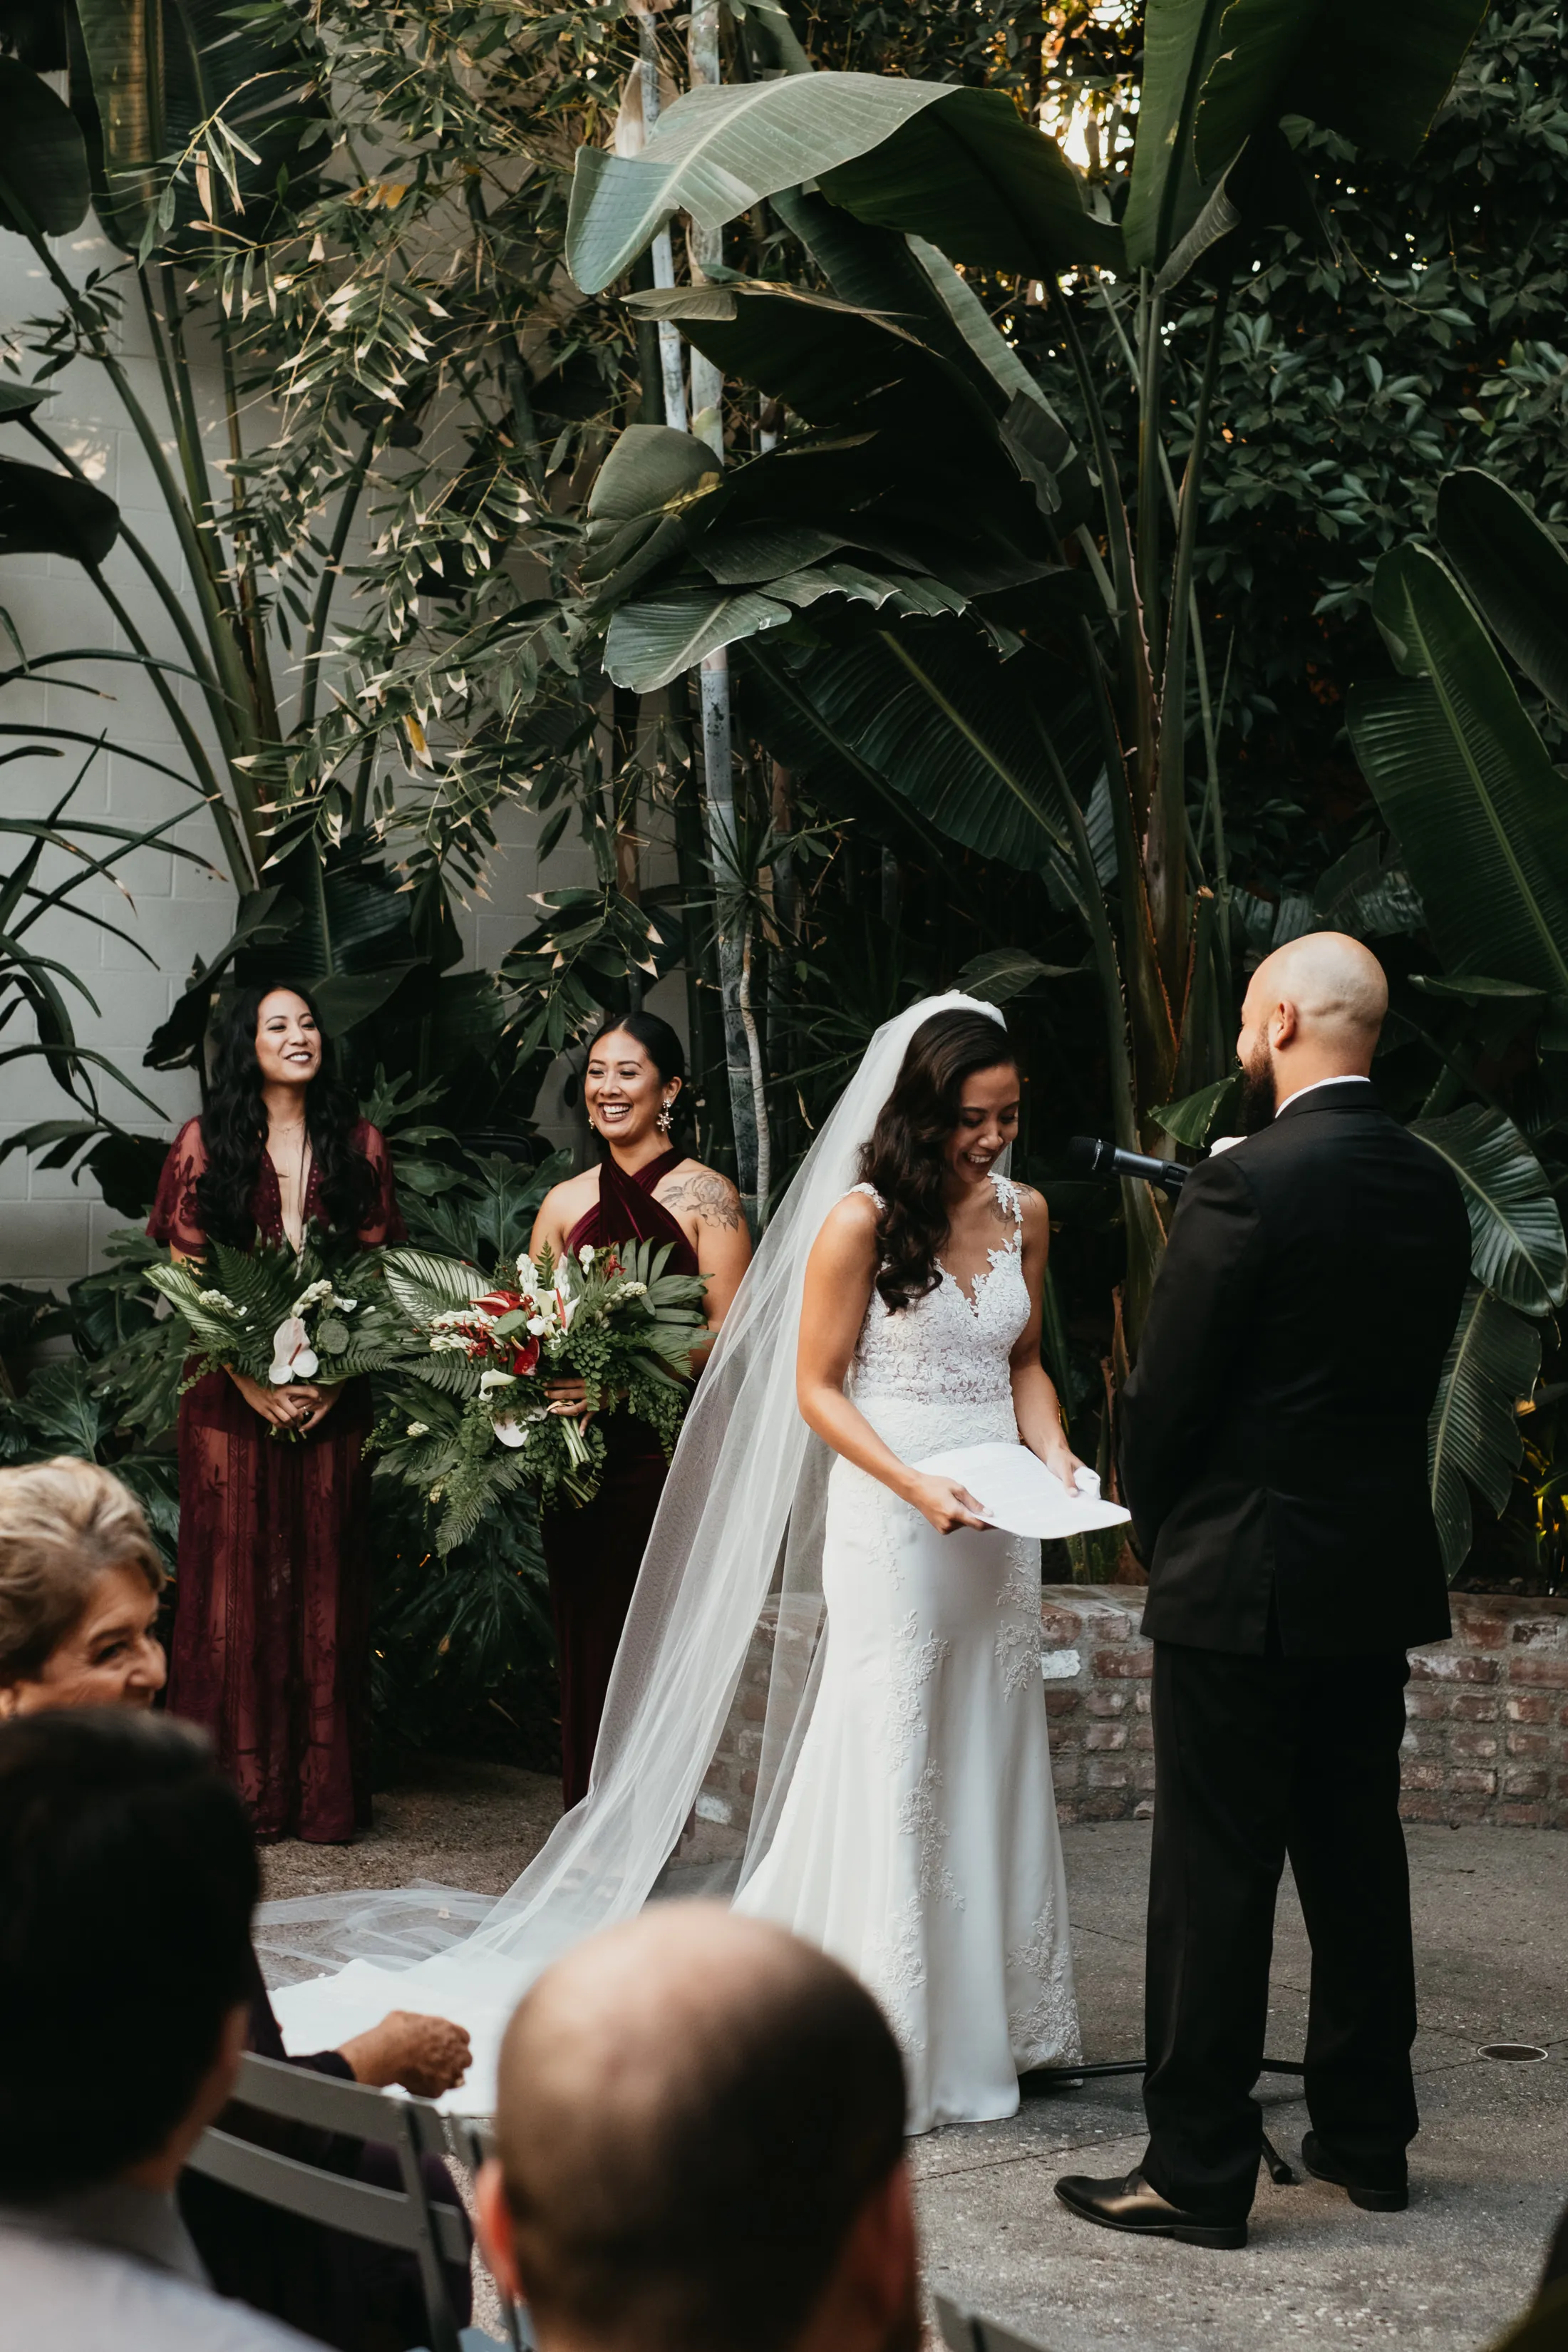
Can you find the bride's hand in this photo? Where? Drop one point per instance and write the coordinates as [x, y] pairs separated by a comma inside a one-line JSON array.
[[946, 1504], [568, 1398], [1064, 1464]]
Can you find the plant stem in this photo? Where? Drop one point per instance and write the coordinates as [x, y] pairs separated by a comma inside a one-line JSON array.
[[332, 571]]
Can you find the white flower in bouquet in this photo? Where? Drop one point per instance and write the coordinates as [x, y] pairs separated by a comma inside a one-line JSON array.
[[312, 1296], [527, 1275], [537, 1327], [218, 1300], [418, 1429], [293, 1358], [512, 1432], [586, 1257], [491, 1380]]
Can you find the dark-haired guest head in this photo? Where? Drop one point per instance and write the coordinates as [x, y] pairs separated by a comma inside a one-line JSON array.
[[127, 1876]]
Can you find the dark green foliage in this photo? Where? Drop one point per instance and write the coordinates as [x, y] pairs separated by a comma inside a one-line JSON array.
[[463, 1655]]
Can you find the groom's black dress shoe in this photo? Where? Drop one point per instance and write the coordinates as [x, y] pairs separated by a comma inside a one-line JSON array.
[[1389, 2195], [1131, 2204]]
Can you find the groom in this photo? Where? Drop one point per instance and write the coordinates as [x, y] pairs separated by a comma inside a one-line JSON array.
[[1274, 1457]]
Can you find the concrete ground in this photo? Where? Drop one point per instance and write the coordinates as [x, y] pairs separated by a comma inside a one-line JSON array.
[[1489, 2172]]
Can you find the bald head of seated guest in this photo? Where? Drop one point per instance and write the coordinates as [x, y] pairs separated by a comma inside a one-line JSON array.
[[699, 2134], [1313, 1012]]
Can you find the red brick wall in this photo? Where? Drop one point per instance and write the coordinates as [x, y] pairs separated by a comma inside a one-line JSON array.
[[1487, 1738]]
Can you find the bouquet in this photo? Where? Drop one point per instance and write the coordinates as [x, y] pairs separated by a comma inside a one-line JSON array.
[[473, 1418], [279, 1316]]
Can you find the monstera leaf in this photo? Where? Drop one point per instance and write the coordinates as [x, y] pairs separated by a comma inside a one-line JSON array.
[[1473, 1437]]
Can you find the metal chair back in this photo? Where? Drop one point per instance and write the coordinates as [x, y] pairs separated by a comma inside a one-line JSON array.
[[404, 2217]]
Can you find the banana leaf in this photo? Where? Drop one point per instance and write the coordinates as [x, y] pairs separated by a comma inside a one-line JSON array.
[[44, 164], [1517, 1245], [1465, 782], [1473, 1437], [976, 180], [1515, 571]]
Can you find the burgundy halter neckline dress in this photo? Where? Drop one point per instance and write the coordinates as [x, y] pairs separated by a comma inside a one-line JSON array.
[[593, 1554]]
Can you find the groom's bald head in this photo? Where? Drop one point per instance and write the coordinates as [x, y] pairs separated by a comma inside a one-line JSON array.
[[1314, 1010], [694, 2111]]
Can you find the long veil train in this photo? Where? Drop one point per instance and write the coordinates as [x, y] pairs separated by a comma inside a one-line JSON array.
[[738, 1534]]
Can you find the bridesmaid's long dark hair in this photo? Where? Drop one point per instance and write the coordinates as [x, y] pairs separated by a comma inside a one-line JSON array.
[[905, 1160], [234, 1130]]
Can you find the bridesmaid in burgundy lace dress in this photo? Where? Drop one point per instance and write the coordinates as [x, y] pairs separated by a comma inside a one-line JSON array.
[[642, 1189], [271, 1646]]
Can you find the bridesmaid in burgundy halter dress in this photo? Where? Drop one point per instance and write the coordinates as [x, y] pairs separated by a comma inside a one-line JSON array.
[[271, 1647], [642, 1189]]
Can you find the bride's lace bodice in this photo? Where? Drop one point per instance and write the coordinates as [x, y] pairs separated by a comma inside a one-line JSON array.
[[936, 1373]]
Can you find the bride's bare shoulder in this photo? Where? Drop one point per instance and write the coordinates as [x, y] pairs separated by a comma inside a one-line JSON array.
[[850, 1228]]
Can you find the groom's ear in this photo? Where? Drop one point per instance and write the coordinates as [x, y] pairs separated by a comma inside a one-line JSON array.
[[1284, 1027]]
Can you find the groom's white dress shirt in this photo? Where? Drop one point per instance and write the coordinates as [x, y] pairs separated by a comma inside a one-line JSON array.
[[113, 2269]]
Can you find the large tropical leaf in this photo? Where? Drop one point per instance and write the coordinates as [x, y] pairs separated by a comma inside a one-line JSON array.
[[976, 181], [1376, 71], [1473, 1437], [43, 165], [147, 75], [1517, 1245], [1465, 781], [1216, 75], [44, 513], [1515, 571], [656, 638], [929, 714]]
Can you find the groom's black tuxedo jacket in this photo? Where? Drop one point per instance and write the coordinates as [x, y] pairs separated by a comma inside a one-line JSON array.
[[1273, 1440]]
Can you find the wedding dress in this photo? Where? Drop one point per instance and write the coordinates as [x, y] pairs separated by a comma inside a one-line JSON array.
[[918, 1840], [899, 1804]]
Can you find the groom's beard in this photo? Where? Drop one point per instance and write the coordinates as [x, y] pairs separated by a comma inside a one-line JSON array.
[[1259, 1095]]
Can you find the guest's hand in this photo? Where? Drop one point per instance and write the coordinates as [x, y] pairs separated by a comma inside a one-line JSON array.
[[569, 1399], [282, 1408], [945, 1504], [426, 2055]]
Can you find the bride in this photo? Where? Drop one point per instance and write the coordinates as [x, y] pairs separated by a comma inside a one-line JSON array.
[[899, 1808], [918, 1841]]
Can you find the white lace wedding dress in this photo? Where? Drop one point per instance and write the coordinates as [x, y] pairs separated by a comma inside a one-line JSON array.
[[918, 1840]]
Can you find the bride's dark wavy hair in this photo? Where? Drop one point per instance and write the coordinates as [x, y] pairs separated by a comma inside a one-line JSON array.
[[233, 1131], [905, 1161]]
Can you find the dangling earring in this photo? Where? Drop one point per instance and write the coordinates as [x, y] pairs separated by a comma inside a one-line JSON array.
[[665, 1120], [592, 1123]]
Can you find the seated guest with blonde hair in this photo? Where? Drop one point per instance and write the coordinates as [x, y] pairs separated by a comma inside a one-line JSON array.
[[699, 2122], [80, 1585], [127, 1880]]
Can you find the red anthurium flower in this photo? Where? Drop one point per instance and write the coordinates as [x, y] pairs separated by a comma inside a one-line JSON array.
[[500, 1302], [524, 1359]]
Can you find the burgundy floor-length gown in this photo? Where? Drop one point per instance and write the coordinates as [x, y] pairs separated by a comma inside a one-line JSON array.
[[271, 1646], [593, 1553]]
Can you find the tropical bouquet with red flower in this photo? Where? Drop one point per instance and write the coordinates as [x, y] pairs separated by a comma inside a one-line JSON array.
[[471, 1417]]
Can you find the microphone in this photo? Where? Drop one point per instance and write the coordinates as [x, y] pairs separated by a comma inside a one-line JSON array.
[[1096, 1157]]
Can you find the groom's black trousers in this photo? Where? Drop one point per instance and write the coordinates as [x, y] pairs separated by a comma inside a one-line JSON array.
[[1257, 1757]]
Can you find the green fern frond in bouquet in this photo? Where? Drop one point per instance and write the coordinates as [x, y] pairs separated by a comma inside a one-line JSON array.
[[469, 1419], [279, 1316]]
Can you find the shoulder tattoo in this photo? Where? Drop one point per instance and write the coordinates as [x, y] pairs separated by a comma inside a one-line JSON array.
[[711, 1199]]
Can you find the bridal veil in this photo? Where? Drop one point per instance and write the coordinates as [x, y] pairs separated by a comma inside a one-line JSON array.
[[736, 1547]]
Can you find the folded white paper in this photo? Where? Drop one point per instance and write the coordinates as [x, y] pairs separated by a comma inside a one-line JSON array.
[[1015, 1491]]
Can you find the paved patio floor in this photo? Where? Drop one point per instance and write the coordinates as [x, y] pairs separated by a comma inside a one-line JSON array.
[[1489, 2170]]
